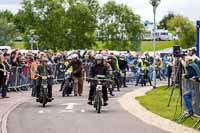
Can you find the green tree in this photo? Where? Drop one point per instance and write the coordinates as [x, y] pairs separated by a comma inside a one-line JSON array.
[[185, 30], [165, 20], [60, 24], [81, 25], [7, 15], [7, 32], [119, 27]]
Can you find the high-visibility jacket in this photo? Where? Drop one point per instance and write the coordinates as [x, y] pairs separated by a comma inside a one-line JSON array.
[[116, 62], [70, 68], [143, 65]]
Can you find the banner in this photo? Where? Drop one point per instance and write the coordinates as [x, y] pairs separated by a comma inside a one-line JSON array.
[[198, 38]]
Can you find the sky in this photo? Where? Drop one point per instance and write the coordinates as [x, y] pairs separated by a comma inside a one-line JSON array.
[[189, 8]]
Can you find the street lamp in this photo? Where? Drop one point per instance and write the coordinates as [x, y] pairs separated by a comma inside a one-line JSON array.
[[155, 4]]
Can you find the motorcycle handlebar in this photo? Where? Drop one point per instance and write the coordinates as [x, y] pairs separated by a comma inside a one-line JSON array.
[[96, 79]]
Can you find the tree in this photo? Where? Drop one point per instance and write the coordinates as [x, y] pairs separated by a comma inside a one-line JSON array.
[[77, 24], [7, 15], [185, 30], [165, 20], [119, 27], [81, 26], [60, 24], [7, 32]]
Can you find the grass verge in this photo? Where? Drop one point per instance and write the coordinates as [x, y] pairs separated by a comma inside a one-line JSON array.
[[145, 45], [19, 44], [148, 45], [156, 101]]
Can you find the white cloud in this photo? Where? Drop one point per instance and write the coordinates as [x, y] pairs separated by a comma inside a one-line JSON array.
[[189, 8], [12, 8]]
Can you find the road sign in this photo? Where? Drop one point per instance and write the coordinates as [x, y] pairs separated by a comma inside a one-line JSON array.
[[198, 38]]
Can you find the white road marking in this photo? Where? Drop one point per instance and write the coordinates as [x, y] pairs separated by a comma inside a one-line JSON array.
[[70, 106], [63, 111], [41, 112], [82, 111], [70, 111]]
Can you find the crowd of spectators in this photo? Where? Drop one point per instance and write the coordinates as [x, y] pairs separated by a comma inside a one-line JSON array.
[[18, 70]]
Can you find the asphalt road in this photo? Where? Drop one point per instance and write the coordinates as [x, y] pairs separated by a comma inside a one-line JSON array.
[[73, 115]]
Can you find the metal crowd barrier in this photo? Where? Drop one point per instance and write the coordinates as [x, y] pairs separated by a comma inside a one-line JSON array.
[[19, 78], [188, 84]]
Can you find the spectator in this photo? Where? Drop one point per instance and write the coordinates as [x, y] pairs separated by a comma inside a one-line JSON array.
[[169, 69], [3, 74], [34, 67], [193, 72], [8, 67], [192, 53], [159, 66]]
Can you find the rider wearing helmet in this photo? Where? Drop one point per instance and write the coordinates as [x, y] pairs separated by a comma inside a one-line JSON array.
[[115, 68], [77, 74], [143, 65], [68, 59], [44, 69], [123, 66], [98, 69]]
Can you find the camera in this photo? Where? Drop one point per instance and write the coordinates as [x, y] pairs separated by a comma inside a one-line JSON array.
[[177, 51]]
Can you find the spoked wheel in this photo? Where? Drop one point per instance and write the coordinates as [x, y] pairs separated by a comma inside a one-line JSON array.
[[99, 104], [44, 102], [44, 99], [64, 90]]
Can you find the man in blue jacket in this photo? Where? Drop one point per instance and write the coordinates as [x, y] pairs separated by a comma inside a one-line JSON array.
[[193, 72]]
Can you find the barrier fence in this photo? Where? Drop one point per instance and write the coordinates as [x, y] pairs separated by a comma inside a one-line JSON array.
[[194, 86], [20, 77]]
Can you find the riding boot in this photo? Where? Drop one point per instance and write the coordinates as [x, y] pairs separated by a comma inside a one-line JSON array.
[[111, 93], [150, 82]]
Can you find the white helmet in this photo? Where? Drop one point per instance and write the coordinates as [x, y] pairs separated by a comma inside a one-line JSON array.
[[122, 56], [105, 57], [74, 56], [157, 58], [69, 57], [104, 53], [99, 57]]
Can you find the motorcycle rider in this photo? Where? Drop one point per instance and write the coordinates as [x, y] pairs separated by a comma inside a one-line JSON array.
[[123, 65], [44, 69], [66, 63], [115, 69], [77, 74], [143, 65], [98, 69], [109, 69]]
